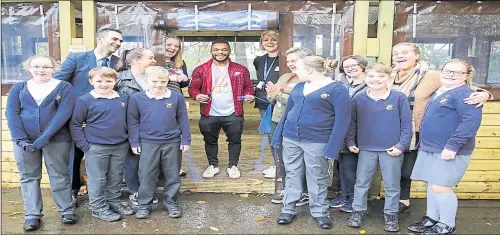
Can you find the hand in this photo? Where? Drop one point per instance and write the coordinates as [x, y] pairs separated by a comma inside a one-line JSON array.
[[477, 98], [26, 146], [202, 98], [185, 148], [40, 143], [393, 151], [182, 77], [271, 90], [353, 149], [137, 150], [448, 154], [249, 98], [173, 77]]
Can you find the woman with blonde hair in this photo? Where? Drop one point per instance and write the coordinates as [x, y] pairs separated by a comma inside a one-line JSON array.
[[37, 114], [174, 63], [311, 131], [413, 76]]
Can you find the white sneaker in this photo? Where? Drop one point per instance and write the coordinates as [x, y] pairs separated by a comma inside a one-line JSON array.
[[233, 172], [211, 171], [271, 174], [266, 171]]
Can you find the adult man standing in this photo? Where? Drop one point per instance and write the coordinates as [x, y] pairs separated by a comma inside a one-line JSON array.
[[75, 70], [221, 86]]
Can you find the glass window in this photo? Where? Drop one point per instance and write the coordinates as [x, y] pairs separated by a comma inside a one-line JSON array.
[[494, 63], [27, 29]]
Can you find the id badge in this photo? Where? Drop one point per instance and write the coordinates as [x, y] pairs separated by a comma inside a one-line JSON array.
[[260, 85], [278, 104]]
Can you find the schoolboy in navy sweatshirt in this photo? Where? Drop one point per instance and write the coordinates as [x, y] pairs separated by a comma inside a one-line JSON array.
[[104, 141], [382, 123], [158, 131]]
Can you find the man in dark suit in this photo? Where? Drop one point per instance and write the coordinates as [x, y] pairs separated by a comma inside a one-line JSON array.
[[75, 70]]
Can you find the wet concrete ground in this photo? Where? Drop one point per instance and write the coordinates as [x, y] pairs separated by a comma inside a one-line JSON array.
[[234, 214]]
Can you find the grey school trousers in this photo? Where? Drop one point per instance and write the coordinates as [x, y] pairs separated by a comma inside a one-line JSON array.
[[305, 158], [154, 156], [391, 174], [29, 166], [104, 165]]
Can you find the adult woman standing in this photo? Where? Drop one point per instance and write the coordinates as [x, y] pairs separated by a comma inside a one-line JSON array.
[[132, 67], [37, 112], [278, 93], [414, 78], [352, 75], [267, 67], [178, 78]]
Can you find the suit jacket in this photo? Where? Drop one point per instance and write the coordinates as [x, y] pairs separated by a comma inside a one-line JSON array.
[[75, 70]]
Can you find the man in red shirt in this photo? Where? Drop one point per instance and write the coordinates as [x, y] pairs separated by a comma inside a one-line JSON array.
[[221, 86]]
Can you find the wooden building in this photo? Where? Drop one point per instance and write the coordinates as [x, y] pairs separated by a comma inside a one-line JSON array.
[[464, 29]]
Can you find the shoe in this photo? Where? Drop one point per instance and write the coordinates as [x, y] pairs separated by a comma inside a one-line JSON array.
[[182, 173], [338, 202], [211, 171], [155, 200], [323, 222], [356, 219], [271, 173], [31, 224], [391, 223], [142, 213], [278, 199], [304, 200], [134, 199], [173, 211], [69, 219], [121, 209], [285, 218], [107, 215], [425, 223], [269, 169], [233, 172], [440, 228], [347, 207], [403, 208]]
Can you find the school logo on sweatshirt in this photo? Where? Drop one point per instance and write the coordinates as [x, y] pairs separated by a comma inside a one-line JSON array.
[[389, 107], [168, 105], [324, 95], [123, 104], [443, 100], [58, 97]]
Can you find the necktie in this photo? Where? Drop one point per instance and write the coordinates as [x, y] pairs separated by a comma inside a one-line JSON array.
[[104, 62]]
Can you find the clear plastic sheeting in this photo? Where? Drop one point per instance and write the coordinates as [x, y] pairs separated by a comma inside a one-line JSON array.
[[460, 29], [27, 29]]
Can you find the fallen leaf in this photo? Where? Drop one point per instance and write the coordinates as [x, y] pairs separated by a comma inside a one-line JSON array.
[[245, 195], [16, 213], [129, 227], [201, 202], [157, 230], [260, 218], [488, 223], [214, 228], [362, 231], [124, 224], [257, 182]]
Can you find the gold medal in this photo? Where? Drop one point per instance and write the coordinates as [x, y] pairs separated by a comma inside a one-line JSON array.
[[217, 89]]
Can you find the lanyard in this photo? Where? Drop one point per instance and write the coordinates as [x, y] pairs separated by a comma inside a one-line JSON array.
[[266, 70], [289, 80]]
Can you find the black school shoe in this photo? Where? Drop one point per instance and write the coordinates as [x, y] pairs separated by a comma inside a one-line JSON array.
[[420, 226], [69, 219], [391, 223], [403, 208], [440, 228], [285, 218], [31, 224], [323, 222]]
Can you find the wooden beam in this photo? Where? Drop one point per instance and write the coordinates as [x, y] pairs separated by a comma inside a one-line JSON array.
[[360, 27], [67, 26], [89, 23], [385, 31], [372, 47], [285, 40], [24, 1]]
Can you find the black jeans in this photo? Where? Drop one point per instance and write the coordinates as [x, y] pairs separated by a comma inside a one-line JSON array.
[[76, 182], [210, 129], [409, 161], [348, 163]]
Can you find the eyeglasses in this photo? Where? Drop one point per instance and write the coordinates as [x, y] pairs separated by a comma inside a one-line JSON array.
[[44, 67], [448, 72], [350, 66]]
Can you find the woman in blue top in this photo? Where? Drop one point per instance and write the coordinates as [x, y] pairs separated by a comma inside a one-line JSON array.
[[312, 130], [37, 114]]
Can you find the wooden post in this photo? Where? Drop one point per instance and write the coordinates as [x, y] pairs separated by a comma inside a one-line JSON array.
[[384, 32], [67, 26], [285, 40], [89, 23], [360, 27]]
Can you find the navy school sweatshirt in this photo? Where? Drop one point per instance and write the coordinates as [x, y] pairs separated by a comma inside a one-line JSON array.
[[380, 124], [105, 121], [158, 121], [322, 116], [450, 123], [42, 124]]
